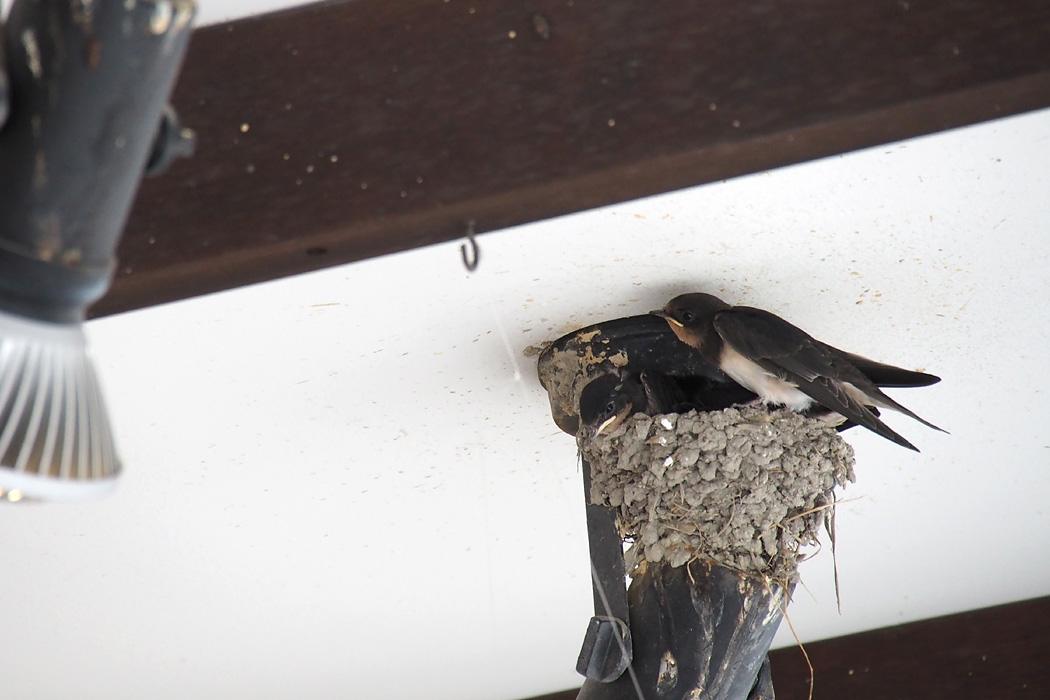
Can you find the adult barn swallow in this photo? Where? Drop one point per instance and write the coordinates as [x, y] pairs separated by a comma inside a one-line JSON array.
[[612, 398], [784, 365]]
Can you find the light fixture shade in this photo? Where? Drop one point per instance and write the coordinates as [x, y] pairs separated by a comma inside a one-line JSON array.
[[55, 439], [87, 84]]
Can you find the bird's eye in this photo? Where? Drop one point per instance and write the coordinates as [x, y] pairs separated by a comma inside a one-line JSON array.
[[610, 408], [687, 316]]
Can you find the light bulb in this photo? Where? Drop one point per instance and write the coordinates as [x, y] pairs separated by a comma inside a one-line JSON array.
[[55, 439]]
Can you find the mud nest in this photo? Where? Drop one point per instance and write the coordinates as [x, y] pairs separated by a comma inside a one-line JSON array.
[[748, 488]]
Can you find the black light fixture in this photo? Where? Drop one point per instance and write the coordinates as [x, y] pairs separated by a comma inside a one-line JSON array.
[[83, 90]]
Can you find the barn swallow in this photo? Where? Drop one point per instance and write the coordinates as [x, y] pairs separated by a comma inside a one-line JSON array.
[[609, 400], [786, 366], [612, 398]]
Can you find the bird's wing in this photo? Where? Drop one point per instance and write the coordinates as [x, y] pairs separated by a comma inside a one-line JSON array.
[[715, 396], [869, 376], [830, 393], [888, 376], [663, 393], [791, 354], [765, 338]]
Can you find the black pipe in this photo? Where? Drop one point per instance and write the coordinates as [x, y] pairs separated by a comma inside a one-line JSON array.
[[699, 631], [88, 83], [3, 82], [607, 644]]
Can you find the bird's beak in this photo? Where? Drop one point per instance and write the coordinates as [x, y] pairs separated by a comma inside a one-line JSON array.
[[666, 316], [601, 428]]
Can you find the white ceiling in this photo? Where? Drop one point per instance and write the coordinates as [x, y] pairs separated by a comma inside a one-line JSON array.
[[215, 11], [348, 484]]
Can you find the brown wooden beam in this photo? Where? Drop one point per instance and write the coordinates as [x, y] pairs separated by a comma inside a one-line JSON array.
[[998, 652], [344, 130]]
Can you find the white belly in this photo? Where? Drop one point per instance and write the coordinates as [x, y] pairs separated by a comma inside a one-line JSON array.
[[769, 388]]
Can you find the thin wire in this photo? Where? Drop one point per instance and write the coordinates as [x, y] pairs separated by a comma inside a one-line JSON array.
[[623, 648], [506, 342], [471, 265], [829, 525], [782, 604]]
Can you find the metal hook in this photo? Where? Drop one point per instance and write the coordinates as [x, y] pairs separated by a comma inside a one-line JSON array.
[[471, 261]]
